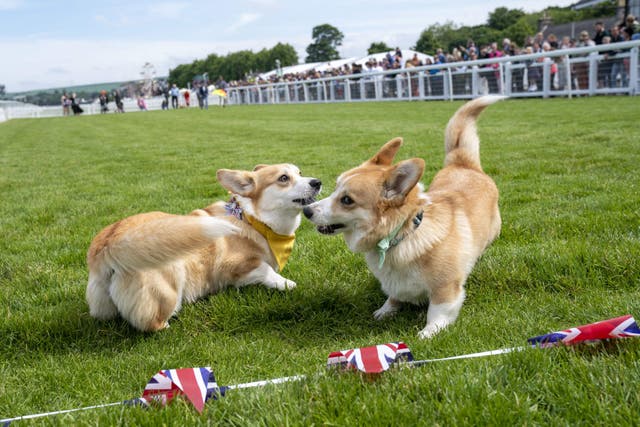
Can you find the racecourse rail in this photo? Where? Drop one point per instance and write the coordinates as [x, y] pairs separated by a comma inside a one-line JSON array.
[[584, 71], [580, 71]]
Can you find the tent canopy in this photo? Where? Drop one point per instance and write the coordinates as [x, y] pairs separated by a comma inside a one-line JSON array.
[[338, 63]]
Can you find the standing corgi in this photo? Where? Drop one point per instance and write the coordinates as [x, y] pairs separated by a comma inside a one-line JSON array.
[[420, 246]]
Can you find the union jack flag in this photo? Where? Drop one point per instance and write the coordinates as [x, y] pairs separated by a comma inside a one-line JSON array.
[[197, 384], [371, 360], [620, 327]]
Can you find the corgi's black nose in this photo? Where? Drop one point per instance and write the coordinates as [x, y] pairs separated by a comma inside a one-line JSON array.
[[307, 211], [315, 183]]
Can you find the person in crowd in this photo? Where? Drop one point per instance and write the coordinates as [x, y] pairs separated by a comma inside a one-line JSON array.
[[221, 84], [117, 98], [66, 104], [553, 68], [582, 68], [390, 59], [175, 93], [492, 78], [534, 74], [104, 102], [537, 42], [617, 63], [600, 33], [632, 27], [203, 96], [436, 79], [187, 97], [75, 106], [506, 47], [142, 104], [165, 94], [606, 64]]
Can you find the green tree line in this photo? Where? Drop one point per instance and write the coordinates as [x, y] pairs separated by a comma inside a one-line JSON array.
[[513, 24], [503, 22], [234, 66]]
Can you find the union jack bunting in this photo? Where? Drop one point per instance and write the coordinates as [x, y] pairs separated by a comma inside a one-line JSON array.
[[194, 383], [620, 327], [371, 360]]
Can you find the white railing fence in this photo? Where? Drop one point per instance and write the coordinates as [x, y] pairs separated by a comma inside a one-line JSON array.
[[130, 105], [569, 72], [585, 71]]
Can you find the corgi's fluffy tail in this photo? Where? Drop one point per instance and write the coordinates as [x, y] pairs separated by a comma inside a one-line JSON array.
[[131, 245], [461, 141]]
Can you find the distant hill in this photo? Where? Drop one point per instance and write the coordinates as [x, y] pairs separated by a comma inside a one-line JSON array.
[[80, 88], [86, 93]]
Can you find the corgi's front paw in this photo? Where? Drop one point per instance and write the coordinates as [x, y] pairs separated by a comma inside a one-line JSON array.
[[388, 309], [285, 285], [431, 330]]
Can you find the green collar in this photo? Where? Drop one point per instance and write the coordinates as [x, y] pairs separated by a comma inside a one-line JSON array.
[[392, 240]]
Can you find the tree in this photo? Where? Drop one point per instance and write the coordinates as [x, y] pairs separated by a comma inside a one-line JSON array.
[[428, 42], [445, 36], [502, 18], [2, 90], [237, 64], [284, 53], [519, 31], [181, 75], [378, 47], [326, 39]]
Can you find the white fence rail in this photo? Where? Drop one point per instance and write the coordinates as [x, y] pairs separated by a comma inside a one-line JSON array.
[[130, 105], [569, 72], [583, 71]]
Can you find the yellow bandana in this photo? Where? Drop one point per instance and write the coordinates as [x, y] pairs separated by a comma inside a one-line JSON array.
[[280, 245]]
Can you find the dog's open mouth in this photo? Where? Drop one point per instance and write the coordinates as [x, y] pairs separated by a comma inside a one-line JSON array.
[[329, 229], [306, 201]]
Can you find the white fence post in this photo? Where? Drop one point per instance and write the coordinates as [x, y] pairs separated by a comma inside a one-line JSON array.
[[593, 73], [634, 84]]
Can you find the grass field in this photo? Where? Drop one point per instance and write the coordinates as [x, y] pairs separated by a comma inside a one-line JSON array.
[[568, 254]]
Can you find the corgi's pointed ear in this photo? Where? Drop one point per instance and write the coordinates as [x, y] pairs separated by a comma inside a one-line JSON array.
[[238, 182], [384, 156], [258, 167], [402, 178]]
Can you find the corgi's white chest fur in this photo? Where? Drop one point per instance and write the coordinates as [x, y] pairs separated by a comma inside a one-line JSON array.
[[406, 284]]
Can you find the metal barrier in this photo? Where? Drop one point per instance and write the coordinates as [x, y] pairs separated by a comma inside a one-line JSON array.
[[130, 105], [569, 72]]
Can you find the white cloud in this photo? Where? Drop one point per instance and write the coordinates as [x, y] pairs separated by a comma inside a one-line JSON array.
[[243, 20], [68, 62]]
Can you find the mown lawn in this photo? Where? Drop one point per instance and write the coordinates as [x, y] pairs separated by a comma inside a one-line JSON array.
[[569, 254]]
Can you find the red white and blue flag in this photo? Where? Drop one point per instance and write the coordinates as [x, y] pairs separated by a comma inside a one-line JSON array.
[[371, 360], [194, 383], [620, 327]]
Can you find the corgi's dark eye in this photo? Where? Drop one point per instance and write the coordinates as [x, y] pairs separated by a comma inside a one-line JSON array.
[[346, 200], [284, 178]]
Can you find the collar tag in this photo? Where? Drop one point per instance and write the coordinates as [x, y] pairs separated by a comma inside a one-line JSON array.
[[391, 240], [388, 242], [232, 207]]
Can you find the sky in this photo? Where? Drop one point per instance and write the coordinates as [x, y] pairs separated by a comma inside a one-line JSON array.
[[52, 43]]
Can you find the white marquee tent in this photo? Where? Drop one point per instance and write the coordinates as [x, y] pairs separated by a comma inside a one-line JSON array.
[[324, 66]]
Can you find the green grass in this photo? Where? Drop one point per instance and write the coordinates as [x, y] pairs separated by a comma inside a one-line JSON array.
[[569, 254]]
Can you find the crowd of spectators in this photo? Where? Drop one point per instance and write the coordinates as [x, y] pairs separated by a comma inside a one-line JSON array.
[[611, 70]]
